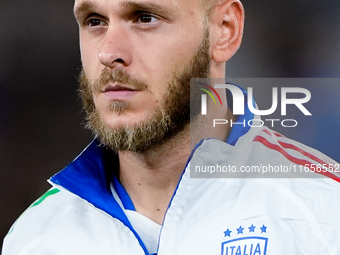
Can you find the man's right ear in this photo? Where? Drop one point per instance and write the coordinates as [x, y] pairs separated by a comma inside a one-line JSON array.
[[227, 22]]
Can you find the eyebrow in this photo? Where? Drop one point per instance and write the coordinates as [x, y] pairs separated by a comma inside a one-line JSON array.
[[84, 7], [146, 6], [88, 6]]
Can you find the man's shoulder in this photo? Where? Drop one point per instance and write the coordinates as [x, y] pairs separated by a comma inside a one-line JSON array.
[[295, 170], [261, 153], [62, 222], [36, 219], [280, 154], [49, 204], [40, 217]]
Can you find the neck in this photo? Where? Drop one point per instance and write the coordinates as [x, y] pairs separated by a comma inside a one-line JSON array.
[[150, 178]]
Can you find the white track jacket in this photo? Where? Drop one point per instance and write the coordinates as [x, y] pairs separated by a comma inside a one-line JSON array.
[[206, 216]]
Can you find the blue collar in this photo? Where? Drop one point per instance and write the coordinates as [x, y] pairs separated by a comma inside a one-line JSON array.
[[123, 195], [89, 176]]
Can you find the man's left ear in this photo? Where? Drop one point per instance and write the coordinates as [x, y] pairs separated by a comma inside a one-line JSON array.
[[227, 21]]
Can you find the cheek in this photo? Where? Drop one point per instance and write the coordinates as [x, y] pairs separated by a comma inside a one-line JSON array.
[[89, 59], [173, 55]]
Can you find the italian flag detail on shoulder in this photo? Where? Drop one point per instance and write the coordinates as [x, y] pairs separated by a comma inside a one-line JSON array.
[[36, 203]]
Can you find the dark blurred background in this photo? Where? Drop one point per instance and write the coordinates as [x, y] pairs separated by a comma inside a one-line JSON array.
[[41, 127]]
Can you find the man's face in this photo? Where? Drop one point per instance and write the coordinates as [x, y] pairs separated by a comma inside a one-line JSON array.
[[138, 58]]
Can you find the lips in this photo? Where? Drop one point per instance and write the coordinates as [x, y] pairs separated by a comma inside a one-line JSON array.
[[117, 87], [118, 91]]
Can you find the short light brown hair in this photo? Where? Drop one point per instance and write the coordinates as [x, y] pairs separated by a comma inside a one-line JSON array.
[[207, 7], [208, 4]]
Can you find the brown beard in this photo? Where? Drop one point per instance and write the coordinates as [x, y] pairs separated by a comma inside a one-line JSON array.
[[165, 122]]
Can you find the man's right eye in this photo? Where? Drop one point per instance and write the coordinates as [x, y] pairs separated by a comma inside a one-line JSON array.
[[93, 22]]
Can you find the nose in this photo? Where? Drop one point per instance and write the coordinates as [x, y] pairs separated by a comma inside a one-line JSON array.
[[114, 50]]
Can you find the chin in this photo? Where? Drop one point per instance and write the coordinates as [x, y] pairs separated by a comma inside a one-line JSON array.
[[116, 121]]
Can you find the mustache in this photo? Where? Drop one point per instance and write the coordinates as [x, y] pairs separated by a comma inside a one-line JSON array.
[[118, 76]]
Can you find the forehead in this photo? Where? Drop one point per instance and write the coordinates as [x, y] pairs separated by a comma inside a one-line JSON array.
[[112, 5]]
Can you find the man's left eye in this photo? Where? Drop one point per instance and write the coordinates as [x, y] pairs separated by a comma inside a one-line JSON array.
[[147, 18]]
